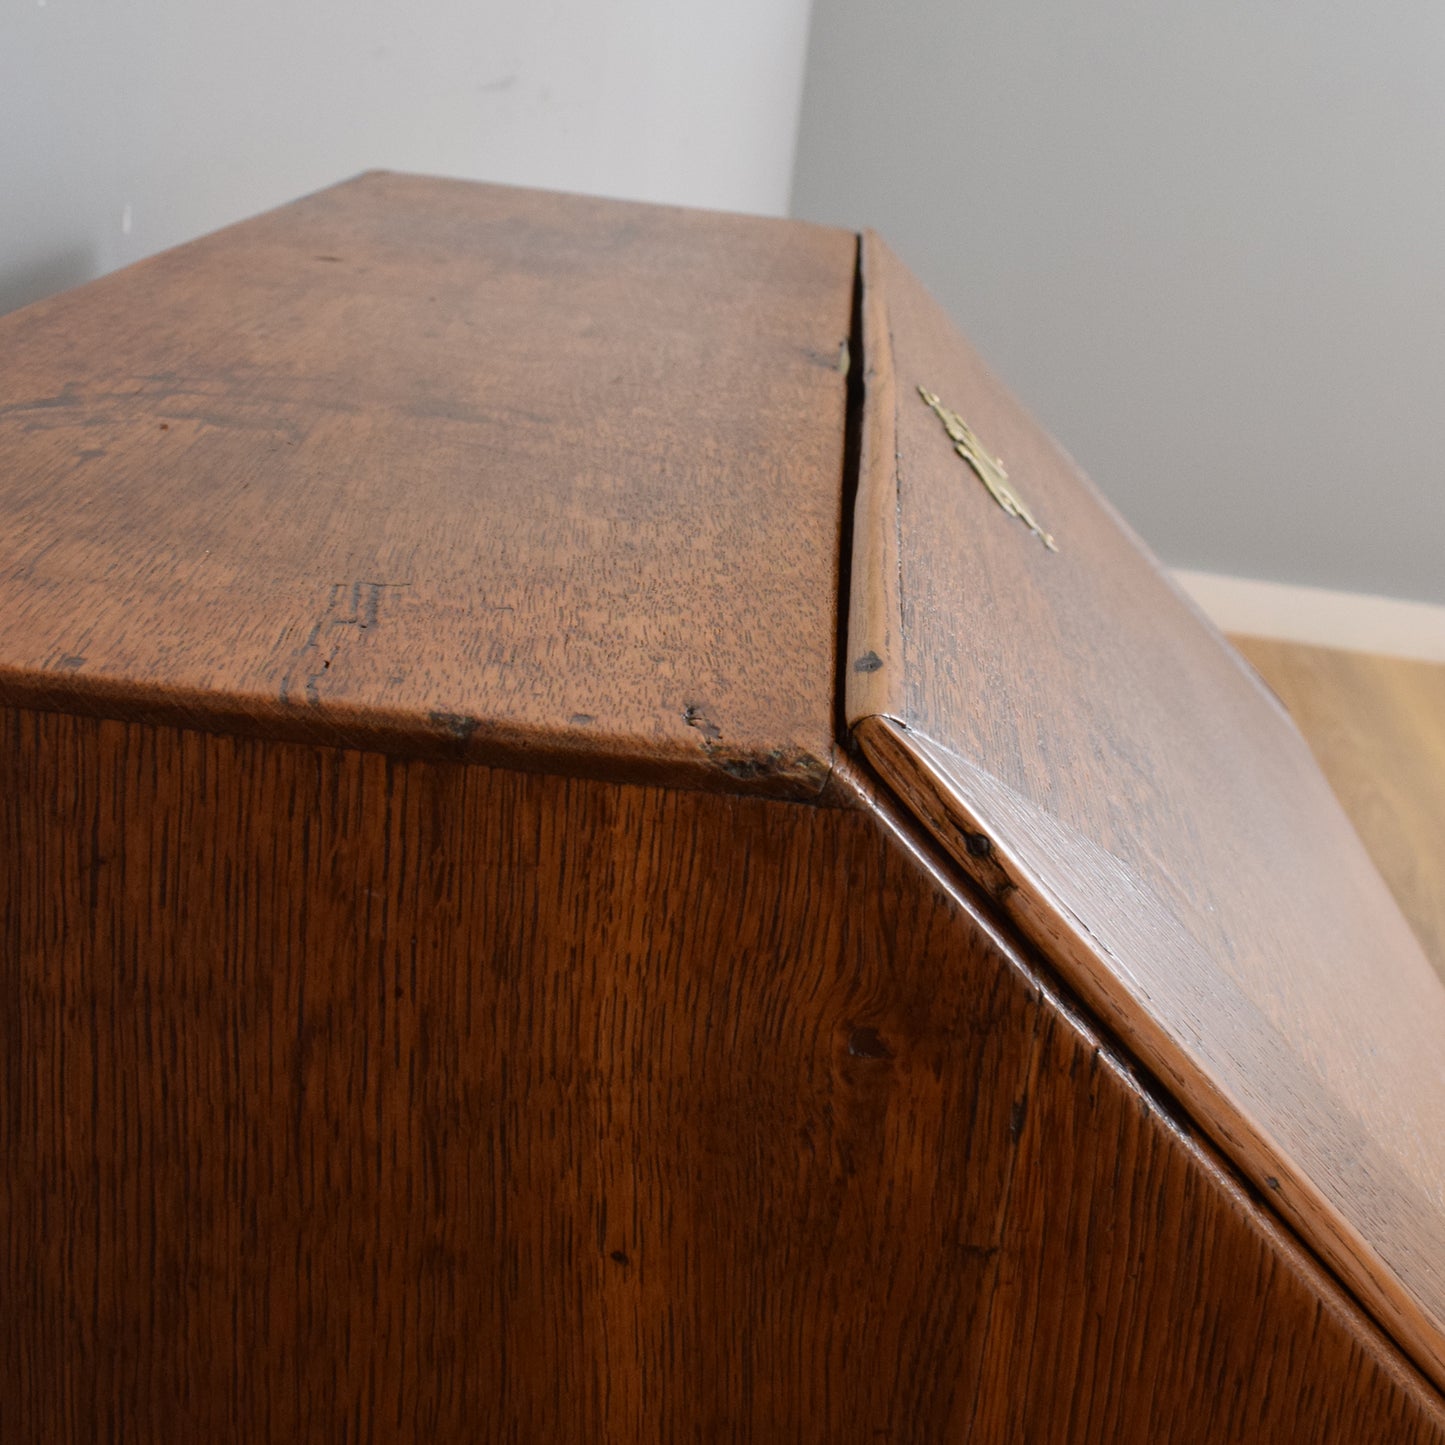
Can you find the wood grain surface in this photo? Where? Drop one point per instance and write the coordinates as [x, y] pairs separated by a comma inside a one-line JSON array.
[[354, 1090], [1091, 752], [428, 465], [355, 1098], [1377, 726]]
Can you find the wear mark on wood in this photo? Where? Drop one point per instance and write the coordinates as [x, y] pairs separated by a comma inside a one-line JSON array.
[[746, 766], [457, 724], [774, 761], [1018, 1112], [354, 607], [693, 716], [69, 395], [987, 468]]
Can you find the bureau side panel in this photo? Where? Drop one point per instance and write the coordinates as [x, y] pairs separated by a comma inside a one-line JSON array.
[[353, 1099]]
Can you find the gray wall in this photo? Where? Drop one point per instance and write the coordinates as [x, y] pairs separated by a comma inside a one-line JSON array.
[[130, 125], [1205, 243]]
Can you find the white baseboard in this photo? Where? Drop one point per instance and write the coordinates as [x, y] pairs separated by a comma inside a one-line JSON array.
[[1353, 620]]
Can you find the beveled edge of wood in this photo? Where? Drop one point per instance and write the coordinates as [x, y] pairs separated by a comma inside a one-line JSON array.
[[925, 777], [797, 775], [874, 658], [916, 833]]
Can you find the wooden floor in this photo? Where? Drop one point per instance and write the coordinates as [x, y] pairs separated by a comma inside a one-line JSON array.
[[1377, 725]]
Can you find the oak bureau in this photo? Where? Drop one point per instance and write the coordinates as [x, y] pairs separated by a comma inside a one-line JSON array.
[[601, 840]]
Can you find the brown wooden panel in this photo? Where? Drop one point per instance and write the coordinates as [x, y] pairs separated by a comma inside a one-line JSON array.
[[431, 465], [1377, 726], [1094, 754], [348, 1097]]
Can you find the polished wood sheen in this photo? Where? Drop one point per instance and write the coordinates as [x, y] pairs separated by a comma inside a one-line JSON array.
[[460, 981], [1377, 726], [372, 1099], [1098, 759], [420, 464]]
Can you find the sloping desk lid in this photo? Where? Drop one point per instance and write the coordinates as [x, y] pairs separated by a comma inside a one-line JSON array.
[[1095, 755]]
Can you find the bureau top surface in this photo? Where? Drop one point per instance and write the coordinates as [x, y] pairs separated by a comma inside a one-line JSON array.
[[440, 466]]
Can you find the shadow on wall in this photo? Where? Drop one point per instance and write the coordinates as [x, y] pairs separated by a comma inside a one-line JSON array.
[[20, 285]]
